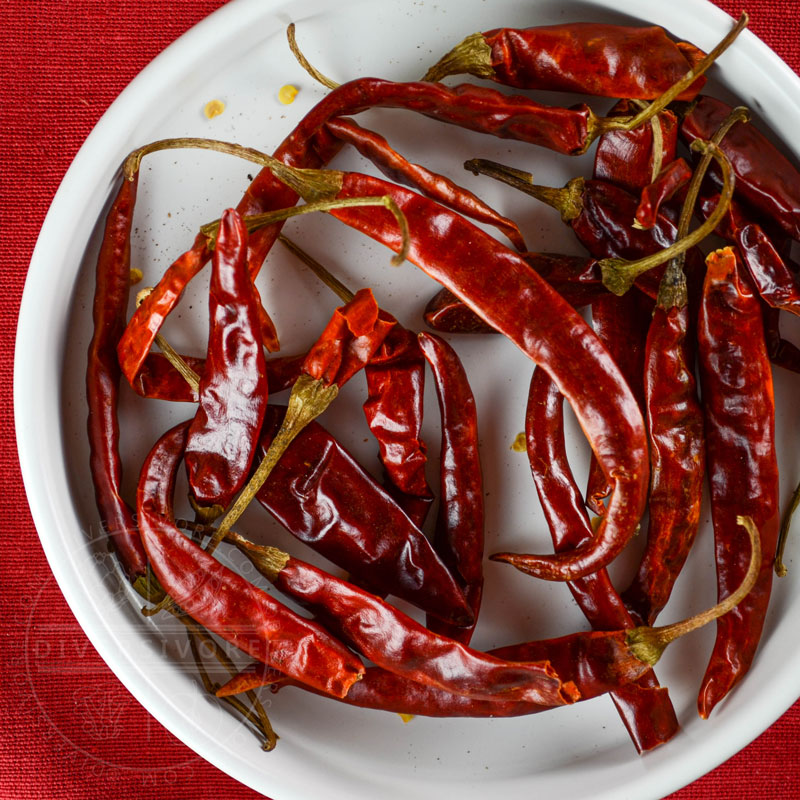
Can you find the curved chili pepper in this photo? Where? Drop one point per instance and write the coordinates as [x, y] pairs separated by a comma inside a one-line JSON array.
[[233, 391], [395, 641], [740, 429], [110, 307], [781, 352], [484, 274], [377, 150], [644, 706], [395, 385], [774, 281], [583, 57], [321, 495], [672, 178], [447, 314], [459, 526], [764, 176], [222, 601]]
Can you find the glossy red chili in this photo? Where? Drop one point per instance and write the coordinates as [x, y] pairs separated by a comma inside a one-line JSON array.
[[583, 57], [740, 429], [666, 184], [233, 389], [459, 526]]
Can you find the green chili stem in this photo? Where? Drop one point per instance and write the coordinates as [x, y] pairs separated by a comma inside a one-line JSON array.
[[304, 62], [257, 221], [786, 523], [174, 358], [619, 274], [330, 280], [472, 55], [647, 644], [309, 398], [601, 125], [568, 201]]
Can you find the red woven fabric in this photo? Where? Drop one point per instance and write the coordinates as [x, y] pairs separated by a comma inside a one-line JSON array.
[[63, 63]]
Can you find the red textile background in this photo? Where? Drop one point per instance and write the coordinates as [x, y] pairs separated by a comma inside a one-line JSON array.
[[63, 63]]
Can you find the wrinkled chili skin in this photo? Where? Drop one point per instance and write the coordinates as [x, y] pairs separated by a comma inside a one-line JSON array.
[[460, 524], [626, 158], [395, 167], [394, 641], [325, 498], [781, 352], [643, 705], [112, 284], [677, 454], [576, 279], [669, 181], [764, 176], [743, 474], [774, 281], [500, 286], [590, 58], [395, 378], [159, 380], [224, 433], [221, 600]]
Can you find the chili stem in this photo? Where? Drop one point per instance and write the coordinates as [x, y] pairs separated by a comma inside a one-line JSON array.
[[601, 125], [619, 274], [257, 221], [309, 398], [304, 62], [330, 280], [786, 523], [647, 644], [566, 200], [174, 358]]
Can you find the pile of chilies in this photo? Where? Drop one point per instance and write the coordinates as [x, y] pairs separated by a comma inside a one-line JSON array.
[[648, 432]]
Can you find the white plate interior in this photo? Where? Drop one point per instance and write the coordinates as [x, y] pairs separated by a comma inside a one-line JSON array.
[[240, 56]]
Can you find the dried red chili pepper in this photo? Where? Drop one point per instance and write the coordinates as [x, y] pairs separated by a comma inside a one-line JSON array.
[[222, 601], [774, 281], [578, 280], [672, 178], [644, 706], [377, 150], [583, 57], [459, 526], [764, 176], [395, 641], [326, 499], [482, 272], [223, 435], [110, 307], [596, 662], [740, 429], [395, 387]]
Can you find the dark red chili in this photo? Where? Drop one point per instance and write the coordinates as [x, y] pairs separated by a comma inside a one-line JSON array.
[[740, 429], [459, 526], [583, 57], [764, 176], [110, 308], [325, 498], [645, 707], [224, 433], [666, 184], [224, 602]]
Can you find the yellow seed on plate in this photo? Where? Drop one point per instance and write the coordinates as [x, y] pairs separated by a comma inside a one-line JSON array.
[[519, 446], [405, 717], [136, 276], [287, 94], [213, 108]]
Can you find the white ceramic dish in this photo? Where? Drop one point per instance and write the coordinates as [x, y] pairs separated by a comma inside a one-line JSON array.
[[239, 55]]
